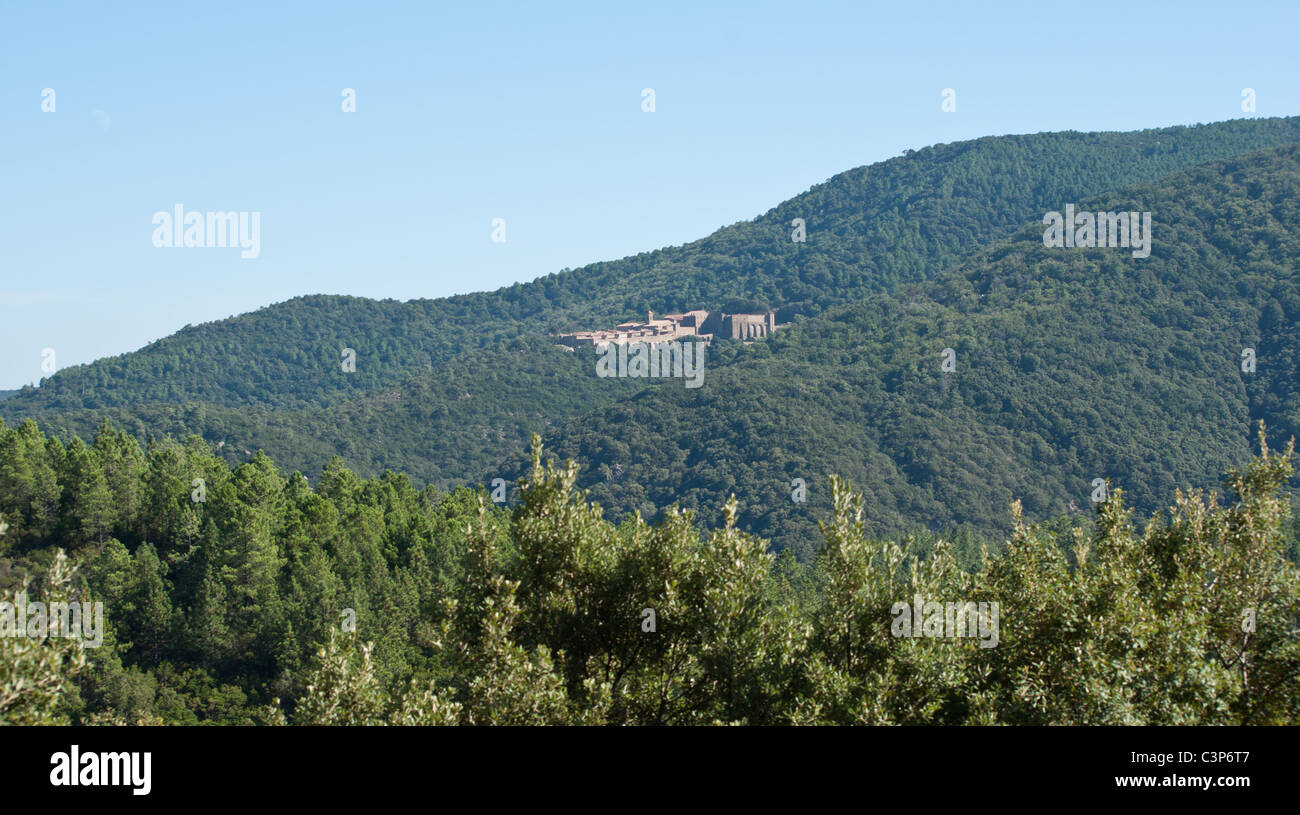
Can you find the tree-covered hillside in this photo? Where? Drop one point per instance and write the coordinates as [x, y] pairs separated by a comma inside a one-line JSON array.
[[448, 391], [1070, 365], [870, 228], [445, 430]]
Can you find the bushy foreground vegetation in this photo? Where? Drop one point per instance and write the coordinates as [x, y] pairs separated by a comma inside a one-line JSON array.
[[368, 602]]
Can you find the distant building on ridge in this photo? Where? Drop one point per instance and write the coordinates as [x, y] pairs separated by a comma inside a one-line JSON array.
[[695, 323]]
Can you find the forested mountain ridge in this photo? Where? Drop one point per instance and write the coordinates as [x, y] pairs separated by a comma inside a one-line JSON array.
[[447, 390], [449, 406], [868, 229], [1071, 365]]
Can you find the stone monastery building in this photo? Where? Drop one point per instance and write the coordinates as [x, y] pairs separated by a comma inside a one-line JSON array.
[[696, 323]]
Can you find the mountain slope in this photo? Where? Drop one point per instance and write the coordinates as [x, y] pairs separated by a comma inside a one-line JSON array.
[[869, 229], [1072, 364], [476, 374]]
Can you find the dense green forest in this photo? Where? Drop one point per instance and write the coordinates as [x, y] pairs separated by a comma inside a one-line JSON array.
[[369, 602], [449, 390], [1070, 365]]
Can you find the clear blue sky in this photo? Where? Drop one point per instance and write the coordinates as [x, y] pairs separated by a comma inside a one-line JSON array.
[[472, 111]]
